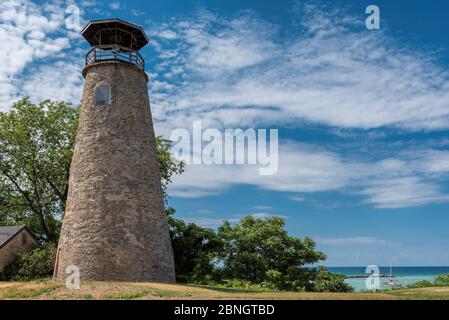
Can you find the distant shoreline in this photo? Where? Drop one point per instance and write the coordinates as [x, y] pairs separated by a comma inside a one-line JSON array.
[[357, 276]]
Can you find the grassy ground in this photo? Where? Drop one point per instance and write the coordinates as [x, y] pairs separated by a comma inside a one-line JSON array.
[[49, 289]]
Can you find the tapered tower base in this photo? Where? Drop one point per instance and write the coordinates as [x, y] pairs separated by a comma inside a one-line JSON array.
[[114, 227]]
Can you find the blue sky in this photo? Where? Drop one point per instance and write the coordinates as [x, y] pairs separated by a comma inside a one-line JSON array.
[[363, 115]]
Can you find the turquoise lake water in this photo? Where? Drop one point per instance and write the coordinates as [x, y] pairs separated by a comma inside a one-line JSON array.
[[403, 275]]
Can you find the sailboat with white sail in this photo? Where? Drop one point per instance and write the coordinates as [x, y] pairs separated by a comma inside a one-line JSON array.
[[392, 282]]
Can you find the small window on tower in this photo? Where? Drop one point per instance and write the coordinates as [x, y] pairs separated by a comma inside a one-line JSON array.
[[24, 238], [102, 96]]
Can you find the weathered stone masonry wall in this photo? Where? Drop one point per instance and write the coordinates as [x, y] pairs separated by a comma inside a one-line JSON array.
[[114, 226]]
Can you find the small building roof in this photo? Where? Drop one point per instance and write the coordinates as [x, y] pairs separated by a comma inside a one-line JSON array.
[[109, 26], [8, 232]]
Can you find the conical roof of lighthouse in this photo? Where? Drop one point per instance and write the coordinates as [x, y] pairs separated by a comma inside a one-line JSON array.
[[111, 26]]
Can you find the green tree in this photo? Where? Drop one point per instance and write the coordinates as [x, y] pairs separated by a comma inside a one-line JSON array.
[[36, 148], [261, 251], [255, 246], [36, 143], [195, 251], [168, 165]]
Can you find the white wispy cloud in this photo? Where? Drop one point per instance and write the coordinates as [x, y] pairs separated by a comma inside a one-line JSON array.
[[332, 71], [115, 5], [302, 168], [262, 207], [402, 192], [207, 222], [31, 33], [60, 81], [351, 241], [88, 3], [137, 13], [266, 215], [405, 180]]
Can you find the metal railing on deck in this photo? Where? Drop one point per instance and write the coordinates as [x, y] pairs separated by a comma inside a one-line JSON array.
[[117, 54]]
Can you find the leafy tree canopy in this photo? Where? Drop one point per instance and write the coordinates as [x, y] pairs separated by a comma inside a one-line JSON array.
[[262, 251], [195, 250], [36, 143]]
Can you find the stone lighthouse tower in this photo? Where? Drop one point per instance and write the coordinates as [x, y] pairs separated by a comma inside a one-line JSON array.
[[114, 226]]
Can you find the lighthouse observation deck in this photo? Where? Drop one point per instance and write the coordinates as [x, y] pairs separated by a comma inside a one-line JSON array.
[[116, 41], [115, 54]]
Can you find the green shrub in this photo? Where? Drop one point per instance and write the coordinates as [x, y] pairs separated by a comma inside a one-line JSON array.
[[420, 284], [31, 265], [242, 284], [320, 280], [274, 280], [326, 281], [442, 280]]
